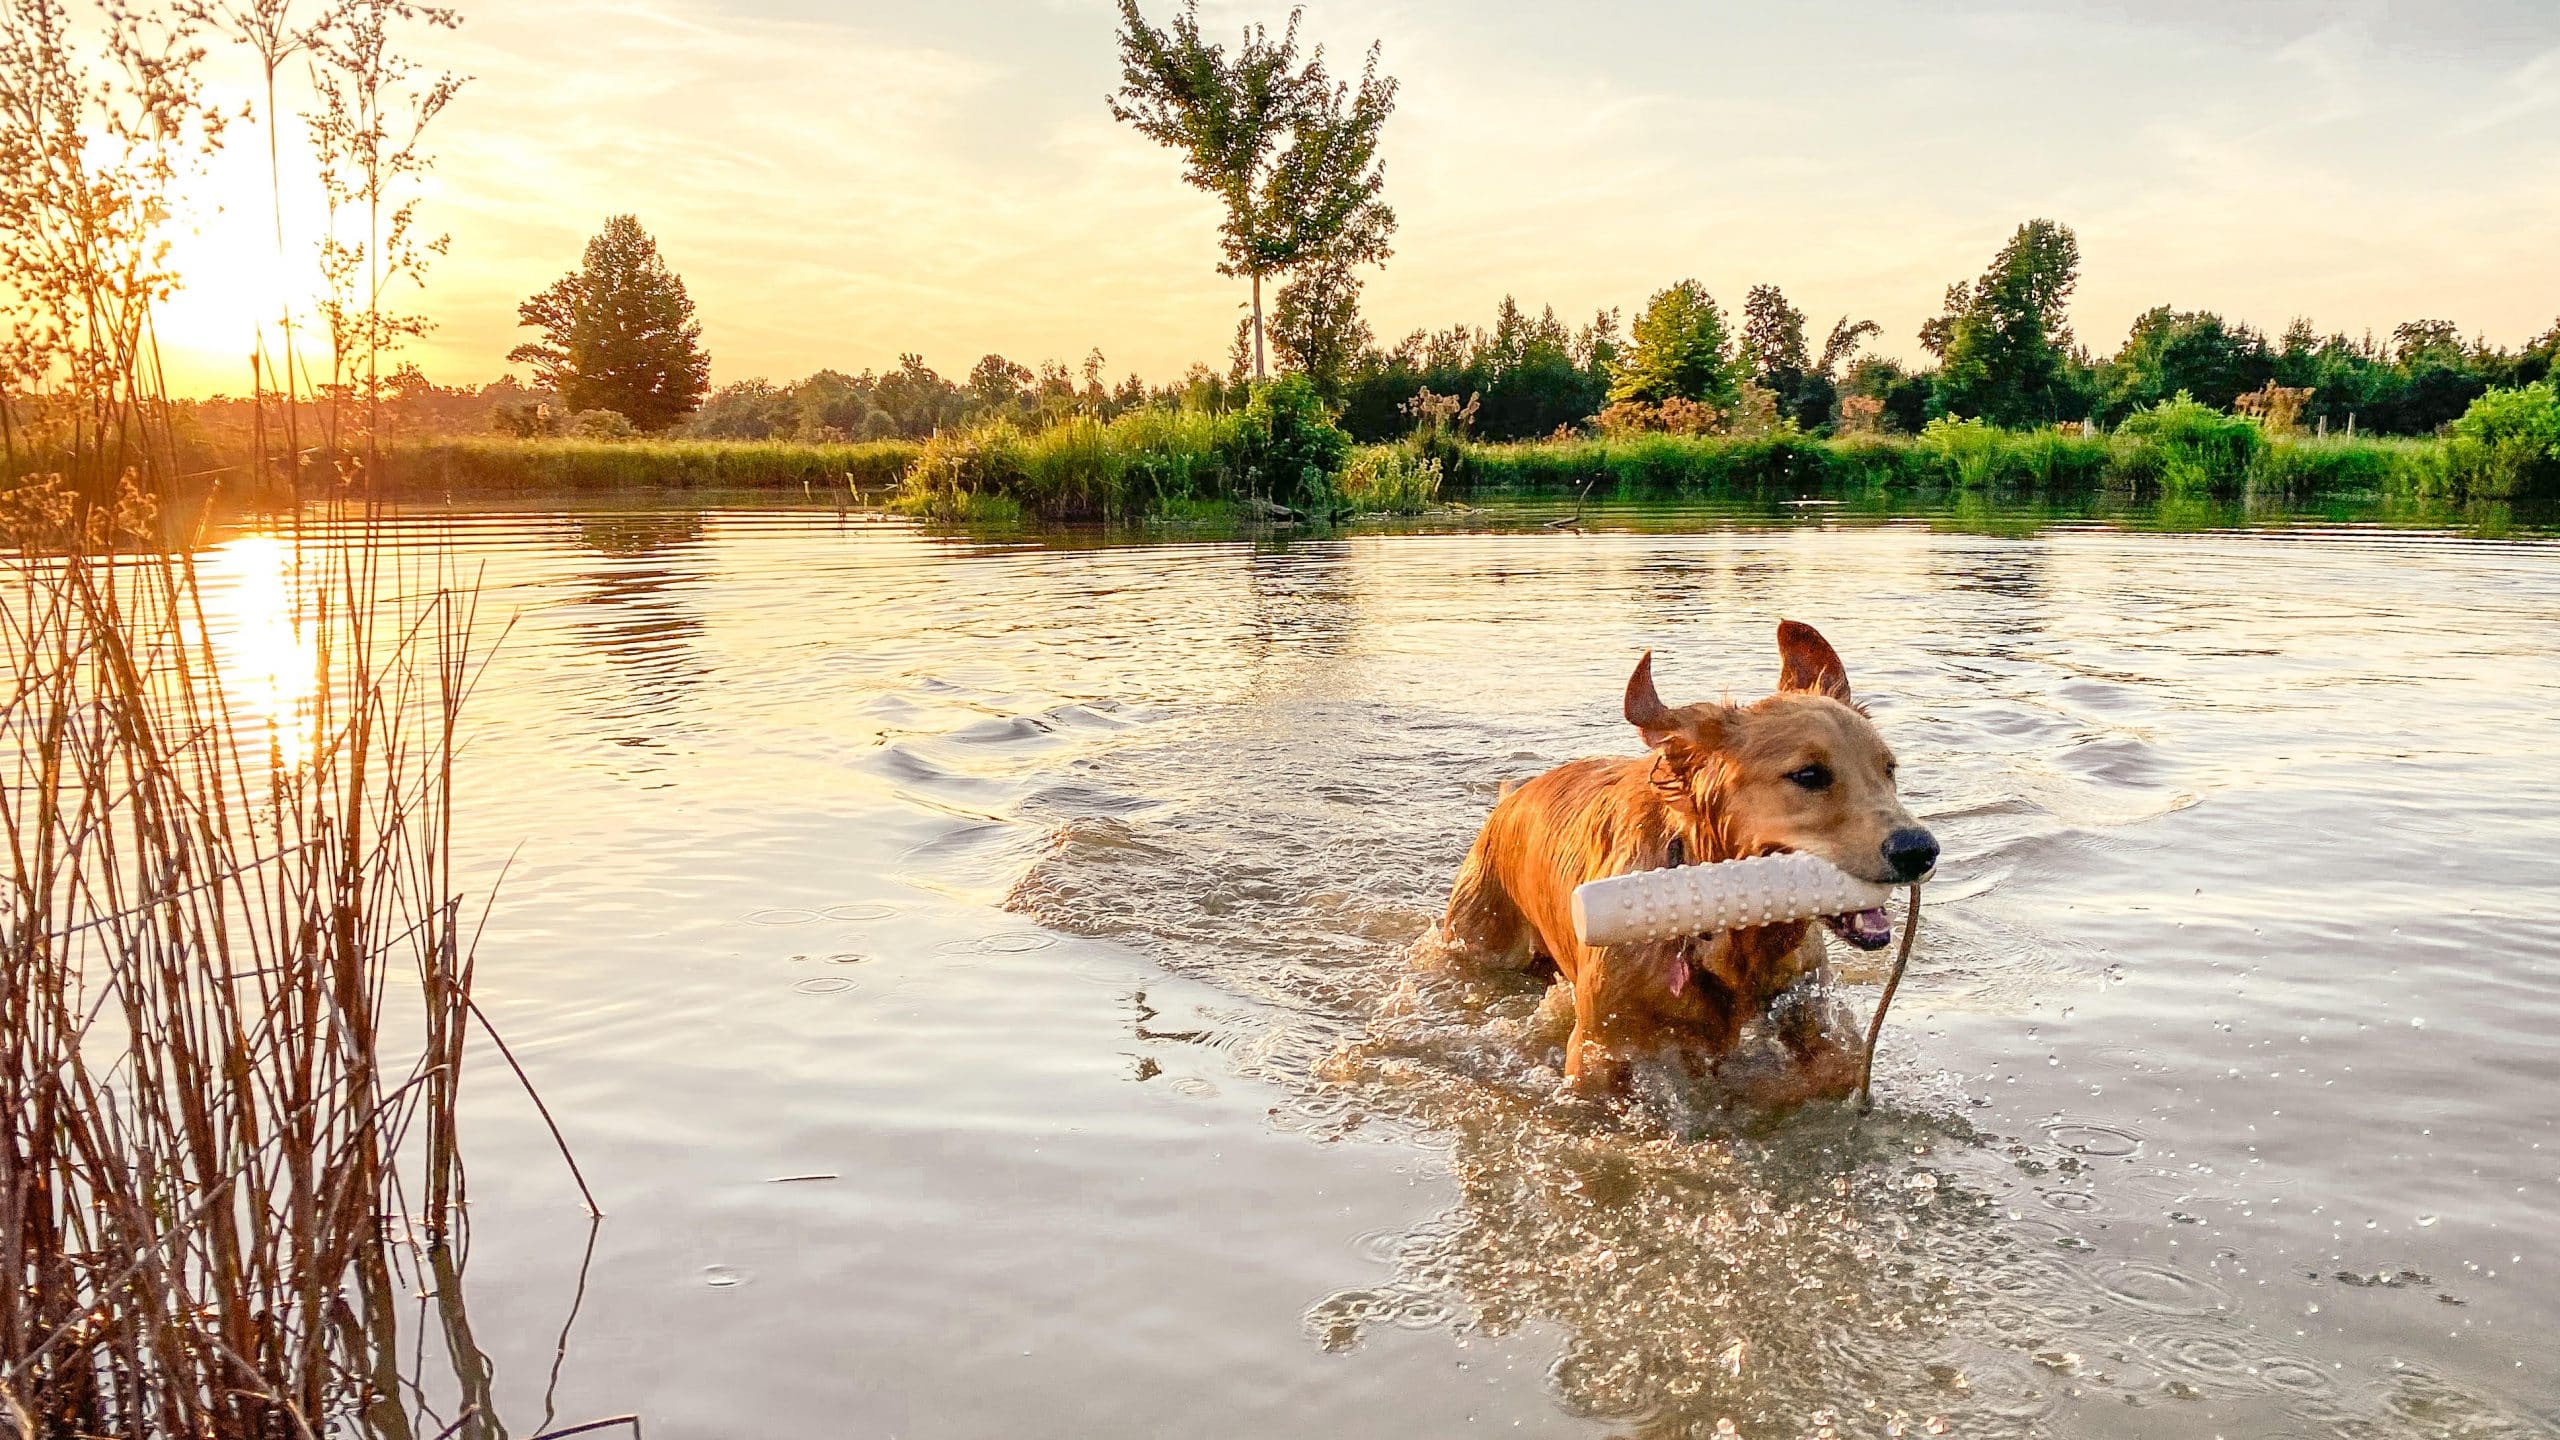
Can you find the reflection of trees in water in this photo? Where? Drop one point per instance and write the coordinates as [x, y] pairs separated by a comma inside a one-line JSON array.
[[2009, 585], [639, 532], [2014, 574], [1303, 600], [1676, 589], [639, 616]]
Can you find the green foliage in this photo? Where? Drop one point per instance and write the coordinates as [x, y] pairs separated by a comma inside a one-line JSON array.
[[1283, 447], [1528, 375], [1288, 447], [1678, 351], [2208, 457], [1968, 449], [1972, 455], [2508, 443], [1641, 462], [618, 333], [2186, 447], [1773, 353], [1316, 325], [2190, 351], [1391, 479], [601, 425], [2006, 339], [2313, 466]]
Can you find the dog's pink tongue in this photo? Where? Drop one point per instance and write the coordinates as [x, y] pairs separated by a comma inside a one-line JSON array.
[[1869, 927]]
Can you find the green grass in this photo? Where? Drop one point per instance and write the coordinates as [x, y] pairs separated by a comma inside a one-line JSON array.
[[494, 465], [2172, 460], [1166, 463], [1144, 463]]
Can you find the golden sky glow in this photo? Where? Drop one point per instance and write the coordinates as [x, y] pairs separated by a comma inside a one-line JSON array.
[[839, 183]]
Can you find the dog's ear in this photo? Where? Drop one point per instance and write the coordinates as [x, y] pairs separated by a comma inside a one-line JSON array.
[[1681, 733], [1806, 662]]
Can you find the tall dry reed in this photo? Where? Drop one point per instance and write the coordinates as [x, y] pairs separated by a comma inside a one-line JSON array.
[[235, 962]]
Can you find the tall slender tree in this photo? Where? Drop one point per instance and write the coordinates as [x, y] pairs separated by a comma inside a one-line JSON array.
[[1289, 151], [619, 333]]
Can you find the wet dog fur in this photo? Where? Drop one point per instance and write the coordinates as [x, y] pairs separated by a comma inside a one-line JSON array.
[[1803, 769]]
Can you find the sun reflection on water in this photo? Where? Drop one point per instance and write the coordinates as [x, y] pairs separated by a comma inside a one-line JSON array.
[[265, 641]]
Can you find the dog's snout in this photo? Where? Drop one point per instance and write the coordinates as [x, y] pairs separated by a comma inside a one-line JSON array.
[[1911, 852]]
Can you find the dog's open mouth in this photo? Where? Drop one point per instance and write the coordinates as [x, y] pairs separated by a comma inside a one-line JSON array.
[[1866, 929]]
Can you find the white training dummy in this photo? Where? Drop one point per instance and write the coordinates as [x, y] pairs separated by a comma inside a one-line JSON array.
[[1706, 899]]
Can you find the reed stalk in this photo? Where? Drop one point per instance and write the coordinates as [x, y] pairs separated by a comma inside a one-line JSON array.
[[235, 985]]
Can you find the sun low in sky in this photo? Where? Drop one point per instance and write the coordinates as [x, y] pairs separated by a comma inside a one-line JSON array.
[[839, 183]]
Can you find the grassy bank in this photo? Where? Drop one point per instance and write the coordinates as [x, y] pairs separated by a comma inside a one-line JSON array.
[[1284, 450], [1978, 458], [493, 465]]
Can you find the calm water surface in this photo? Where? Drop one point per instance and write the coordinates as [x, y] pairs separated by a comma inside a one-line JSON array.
[[980, 980]]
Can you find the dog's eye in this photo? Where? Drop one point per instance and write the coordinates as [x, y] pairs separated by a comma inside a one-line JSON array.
[[1812, 777]]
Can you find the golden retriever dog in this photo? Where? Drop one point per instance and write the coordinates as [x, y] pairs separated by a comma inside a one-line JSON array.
[[1803, 770]]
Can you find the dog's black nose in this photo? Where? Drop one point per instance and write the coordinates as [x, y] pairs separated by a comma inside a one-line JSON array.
[[1910, 851]]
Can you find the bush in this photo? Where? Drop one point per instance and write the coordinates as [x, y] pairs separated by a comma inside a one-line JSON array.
[[2507, 444], [524, 420], [2185, 447], [601, 425], [1288, 449], [1391, 479], [1283, 446]]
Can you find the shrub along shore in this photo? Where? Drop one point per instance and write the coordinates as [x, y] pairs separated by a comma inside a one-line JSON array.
[[1283, 452]]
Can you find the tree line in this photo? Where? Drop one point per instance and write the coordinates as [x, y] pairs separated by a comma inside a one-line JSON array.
[[621, 346], [1292, 155]]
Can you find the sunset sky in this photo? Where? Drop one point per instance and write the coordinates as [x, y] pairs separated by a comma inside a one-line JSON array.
[[841, 182]]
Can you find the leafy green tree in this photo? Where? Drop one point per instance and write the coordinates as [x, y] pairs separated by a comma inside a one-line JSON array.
[[1596, 348], [1316, 324], [2541, 357], [746, 410], [996, 384], [2008, 345], [1902, 398], [1842, 345], [833, 406], [1677, 351], [917, 399], [618, 333], [1289, 151], [2191, 351], [1773, 345]]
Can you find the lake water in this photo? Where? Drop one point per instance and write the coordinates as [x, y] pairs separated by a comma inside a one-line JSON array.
[[978, 979]]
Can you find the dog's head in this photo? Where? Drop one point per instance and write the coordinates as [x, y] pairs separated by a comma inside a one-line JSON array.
[[1801, 770]]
